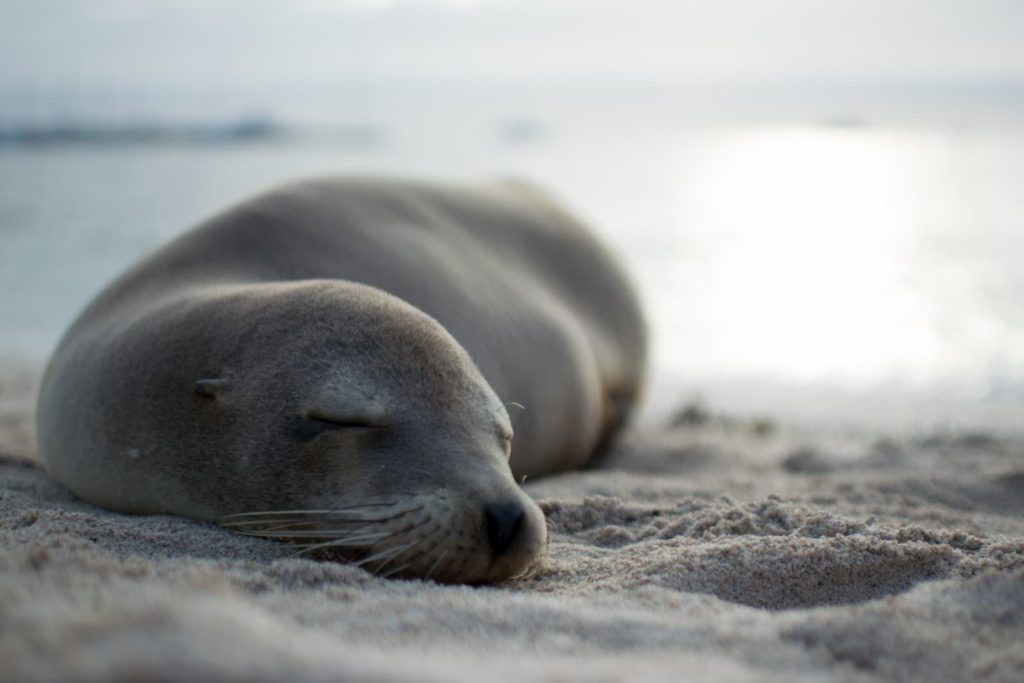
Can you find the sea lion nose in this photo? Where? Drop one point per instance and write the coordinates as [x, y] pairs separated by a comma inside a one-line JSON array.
[[503, 522]]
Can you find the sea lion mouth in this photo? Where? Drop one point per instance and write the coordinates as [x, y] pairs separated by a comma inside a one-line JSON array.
[[417, 536]]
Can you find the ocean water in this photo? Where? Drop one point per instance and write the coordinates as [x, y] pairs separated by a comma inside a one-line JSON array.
[[821, 254]]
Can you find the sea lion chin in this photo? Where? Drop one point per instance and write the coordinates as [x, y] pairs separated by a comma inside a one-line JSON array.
[[254, 373]]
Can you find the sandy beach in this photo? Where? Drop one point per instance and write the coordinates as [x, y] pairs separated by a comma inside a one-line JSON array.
[[712, 547]]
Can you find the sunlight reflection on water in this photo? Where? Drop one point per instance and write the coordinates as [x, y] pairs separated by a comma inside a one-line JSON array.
[[838, 256], [820, 256], [804, 235]]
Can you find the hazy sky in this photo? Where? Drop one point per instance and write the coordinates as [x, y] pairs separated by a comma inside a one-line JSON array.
[[86, 43]]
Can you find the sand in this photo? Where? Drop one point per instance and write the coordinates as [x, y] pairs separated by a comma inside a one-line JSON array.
[[717, 549]]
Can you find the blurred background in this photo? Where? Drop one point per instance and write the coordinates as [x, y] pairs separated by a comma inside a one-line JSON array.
[[821, 201]]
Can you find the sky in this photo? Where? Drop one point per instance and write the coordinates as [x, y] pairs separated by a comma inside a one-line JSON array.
[[170, 43]]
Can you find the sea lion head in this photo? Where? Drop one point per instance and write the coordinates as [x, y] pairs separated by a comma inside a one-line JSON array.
[[362, 430]]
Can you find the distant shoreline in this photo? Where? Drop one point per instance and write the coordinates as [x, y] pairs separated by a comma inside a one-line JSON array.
[[240, 131], [150, 133]]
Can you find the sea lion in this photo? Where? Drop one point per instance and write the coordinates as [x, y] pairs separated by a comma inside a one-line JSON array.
[[333, 362]]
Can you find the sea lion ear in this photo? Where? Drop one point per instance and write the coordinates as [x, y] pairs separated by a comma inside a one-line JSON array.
[[212, 387]]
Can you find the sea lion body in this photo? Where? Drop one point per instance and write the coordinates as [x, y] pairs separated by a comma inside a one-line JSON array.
[[406, 315]]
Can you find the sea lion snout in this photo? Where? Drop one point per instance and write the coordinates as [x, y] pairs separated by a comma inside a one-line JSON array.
[[514, 533]]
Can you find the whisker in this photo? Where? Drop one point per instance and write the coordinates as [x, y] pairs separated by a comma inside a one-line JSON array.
[[436, 563], [349, 541], [277, 526], [343, 543], [326, 533], [350, 527], [396, 570], [286, 523], [400, 532], [425, 540], [393, 553], [353, 541], [358, 520], [341, 510], [385, 555], [394, 557]]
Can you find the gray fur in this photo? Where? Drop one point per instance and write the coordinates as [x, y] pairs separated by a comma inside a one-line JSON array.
[[210, 378]]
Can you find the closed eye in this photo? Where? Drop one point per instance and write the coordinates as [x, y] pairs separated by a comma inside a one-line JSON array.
[[344, 422]]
